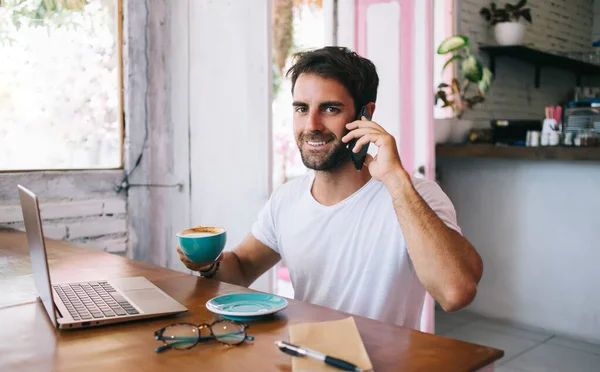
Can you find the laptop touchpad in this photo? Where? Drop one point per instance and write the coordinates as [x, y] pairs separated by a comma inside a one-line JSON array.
[[149, 300]]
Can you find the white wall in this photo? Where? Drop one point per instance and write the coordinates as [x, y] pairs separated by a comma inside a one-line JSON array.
[[383, 49], [345, 30], [535, 225], [229, 82]]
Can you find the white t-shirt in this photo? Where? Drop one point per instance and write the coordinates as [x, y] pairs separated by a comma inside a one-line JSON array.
[[350, 256]]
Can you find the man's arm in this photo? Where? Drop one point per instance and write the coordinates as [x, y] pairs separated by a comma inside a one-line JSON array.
[[445, 262], [243, 265]]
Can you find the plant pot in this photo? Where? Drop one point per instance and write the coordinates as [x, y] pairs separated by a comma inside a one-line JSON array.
[[509, 33]]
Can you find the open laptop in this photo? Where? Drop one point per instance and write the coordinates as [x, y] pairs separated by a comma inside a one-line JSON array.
[[86, 304]]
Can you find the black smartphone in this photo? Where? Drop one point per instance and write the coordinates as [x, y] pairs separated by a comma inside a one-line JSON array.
[[358, 158]]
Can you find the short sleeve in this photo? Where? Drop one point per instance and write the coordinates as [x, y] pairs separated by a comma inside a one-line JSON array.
[[263, 228], [438, 201]]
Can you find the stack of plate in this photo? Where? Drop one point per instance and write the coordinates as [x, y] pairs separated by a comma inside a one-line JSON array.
[[576, 123], [246, 307]]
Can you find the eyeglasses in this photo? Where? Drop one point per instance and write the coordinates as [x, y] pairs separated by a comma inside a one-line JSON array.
[[182, 336]]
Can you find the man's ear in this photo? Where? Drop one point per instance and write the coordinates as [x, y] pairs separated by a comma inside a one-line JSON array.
[[371, 108]]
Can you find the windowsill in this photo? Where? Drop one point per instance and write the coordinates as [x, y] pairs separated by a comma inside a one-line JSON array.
[[76, 184], [8, 171]]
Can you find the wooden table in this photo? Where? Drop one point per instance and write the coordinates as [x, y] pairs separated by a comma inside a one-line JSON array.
[[29, 342]]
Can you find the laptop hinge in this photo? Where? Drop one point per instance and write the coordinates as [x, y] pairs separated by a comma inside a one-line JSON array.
[[58, 313]]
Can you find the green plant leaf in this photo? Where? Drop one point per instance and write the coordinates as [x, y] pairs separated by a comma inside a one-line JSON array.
[[485, 13], [455, 87], [472, 101], [526, 13], [441, 95], [502, 15], [486, 81], [519, 5], [452, 44], [472, 69], [456, 57]]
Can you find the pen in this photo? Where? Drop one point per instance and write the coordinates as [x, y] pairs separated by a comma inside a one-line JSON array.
[[298, 351]]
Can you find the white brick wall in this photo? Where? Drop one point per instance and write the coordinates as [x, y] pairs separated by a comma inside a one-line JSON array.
[[10, 213], [97, 227], [558, 25], [96, 223], [58, 232], [114, 206], [71, 209], [113, 245], [596, 25]]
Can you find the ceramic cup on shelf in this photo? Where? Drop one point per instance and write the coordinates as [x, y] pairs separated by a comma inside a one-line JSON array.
[[568, 139], [534, 138]]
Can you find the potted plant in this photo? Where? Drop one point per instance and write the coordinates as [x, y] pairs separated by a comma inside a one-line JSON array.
[[457, 96], [506, 21]]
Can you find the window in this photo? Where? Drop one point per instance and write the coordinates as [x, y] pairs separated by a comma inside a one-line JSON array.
[[60, 84]]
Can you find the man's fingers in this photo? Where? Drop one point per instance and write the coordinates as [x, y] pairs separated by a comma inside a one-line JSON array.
[[186, 261], [368, 160], [357, 133], [365, 139], [195, 266], [364, 124]]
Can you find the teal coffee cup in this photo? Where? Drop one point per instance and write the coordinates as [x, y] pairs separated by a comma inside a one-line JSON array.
[[202, 244]]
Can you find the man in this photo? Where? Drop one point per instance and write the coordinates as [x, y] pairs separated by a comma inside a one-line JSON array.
[[368, 242]]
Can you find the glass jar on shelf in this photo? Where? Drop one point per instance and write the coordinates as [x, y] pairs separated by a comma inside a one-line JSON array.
[[586, 138]]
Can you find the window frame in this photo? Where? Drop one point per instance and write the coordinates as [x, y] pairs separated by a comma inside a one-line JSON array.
[[89, 171]]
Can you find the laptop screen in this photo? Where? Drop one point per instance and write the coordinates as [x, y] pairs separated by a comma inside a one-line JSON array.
[[37, 249]]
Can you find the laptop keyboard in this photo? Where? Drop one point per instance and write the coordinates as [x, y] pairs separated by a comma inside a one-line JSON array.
[[93, 300]]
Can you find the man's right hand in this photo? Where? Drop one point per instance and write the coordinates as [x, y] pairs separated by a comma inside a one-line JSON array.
[[241, 266], [193, 265]]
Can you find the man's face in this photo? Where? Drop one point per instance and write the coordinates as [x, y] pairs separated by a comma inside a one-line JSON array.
[[322, 108]]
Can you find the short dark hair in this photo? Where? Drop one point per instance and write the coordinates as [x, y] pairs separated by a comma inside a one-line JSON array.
[[356, 73]]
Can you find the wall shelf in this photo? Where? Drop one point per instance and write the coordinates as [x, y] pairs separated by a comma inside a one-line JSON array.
[[540, 59], [518, 152]]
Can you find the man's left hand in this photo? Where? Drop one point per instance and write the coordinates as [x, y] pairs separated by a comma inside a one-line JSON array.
[[387, 161]]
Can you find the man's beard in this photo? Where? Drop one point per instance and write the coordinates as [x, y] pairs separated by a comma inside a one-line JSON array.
[[316, 159]]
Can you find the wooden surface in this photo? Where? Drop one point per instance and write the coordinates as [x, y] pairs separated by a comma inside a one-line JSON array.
[[31, 343], [518, 152]]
